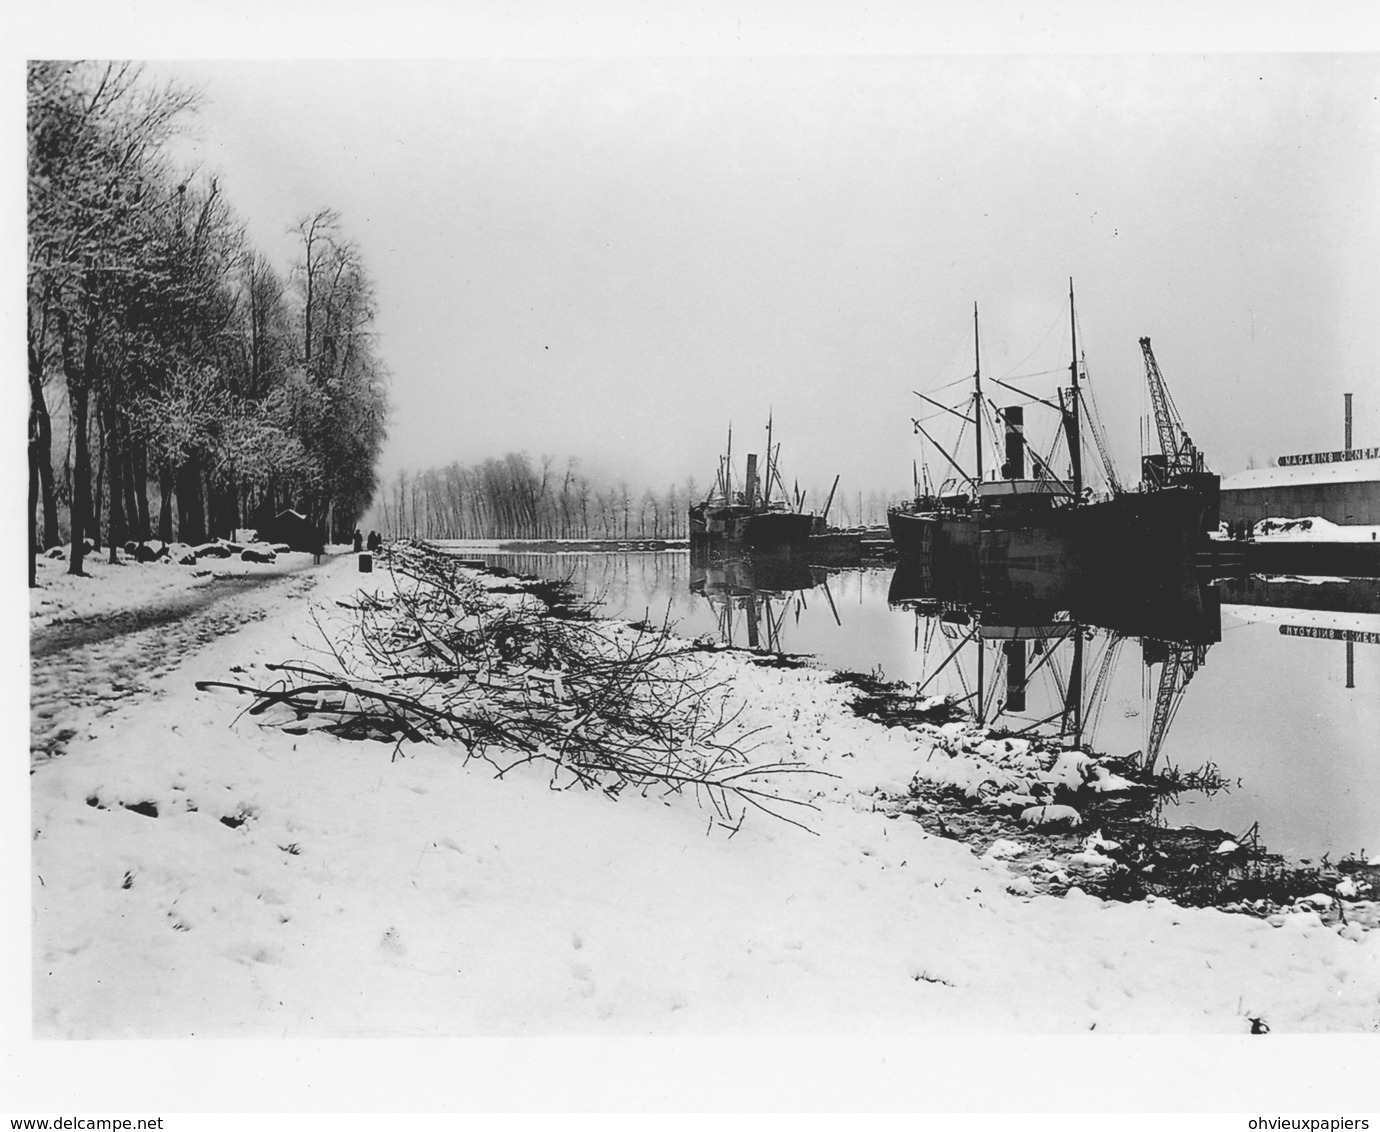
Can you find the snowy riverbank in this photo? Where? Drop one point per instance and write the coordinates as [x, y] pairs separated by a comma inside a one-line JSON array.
[[301, 886]]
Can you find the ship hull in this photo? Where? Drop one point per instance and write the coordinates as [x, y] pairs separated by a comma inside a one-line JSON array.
[[1141, 533], [1134, 536], [919, 534], [736, 529]]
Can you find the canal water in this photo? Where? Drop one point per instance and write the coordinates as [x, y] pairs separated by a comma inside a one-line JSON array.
[[1273, 684]]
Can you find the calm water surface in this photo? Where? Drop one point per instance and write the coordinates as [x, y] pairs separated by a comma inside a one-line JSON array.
[[1279, 692]]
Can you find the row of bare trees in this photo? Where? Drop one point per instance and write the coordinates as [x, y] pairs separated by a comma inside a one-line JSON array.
[[166, 355], [513, 498]]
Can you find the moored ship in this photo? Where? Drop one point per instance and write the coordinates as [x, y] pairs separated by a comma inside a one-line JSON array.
[[733, 521], [1018, 522]]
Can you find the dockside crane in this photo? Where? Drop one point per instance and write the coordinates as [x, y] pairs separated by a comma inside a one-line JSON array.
[[1179, 456], [1178, 462]]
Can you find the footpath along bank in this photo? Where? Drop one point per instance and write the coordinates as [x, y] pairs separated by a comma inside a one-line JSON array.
[[201, 869]]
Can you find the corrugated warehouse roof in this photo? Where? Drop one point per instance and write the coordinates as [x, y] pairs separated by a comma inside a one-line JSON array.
[[1299, 475]]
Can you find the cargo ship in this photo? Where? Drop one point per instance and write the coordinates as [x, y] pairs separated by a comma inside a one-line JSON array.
[[736, 521], [1014, 521]]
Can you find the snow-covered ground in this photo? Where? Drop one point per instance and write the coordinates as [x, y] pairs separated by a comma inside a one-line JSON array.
[[131, 586], [1315, 529], [98, 642], [195, 874]]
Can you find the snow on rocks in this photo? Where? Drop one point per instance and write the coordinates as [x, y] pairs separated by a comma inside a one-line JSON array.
[[1071, 770], [1020, 886], [1105, 781], [1003, 849], [1092, 856], [304, 886], [1012, 774], [1092, 859], [1076, 770], [1051, 815], [1095, 841]]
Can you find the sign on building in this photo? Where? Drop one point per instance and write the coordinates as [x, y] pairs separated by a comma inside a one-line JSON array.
[[1328, 457]]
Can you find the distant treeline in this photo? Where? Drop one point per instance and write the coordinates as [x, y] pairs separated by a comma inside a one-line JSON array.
[[512, 498], [167, 356]]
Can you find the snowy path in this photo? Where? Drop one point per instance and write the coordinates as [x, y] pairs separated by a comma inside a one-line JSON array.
[[83, 667]]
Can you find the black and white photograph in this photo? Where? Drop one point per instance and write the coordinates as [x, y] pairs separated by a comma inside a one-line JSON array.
[[694, 543]]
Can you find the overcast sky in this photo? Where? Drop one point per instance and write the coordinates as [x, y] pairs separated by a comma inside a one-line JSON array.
[[615, 258]]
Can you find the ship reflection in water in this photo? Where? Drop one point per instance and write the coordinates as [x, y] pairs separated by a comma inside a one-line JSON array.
[[1272, 680], [1027, 648], [1005, 628], [753, 599]]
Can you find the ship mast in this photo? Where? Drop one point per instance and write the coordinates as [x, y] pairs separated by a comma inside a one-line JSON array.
[[728, 468], [1071, 426], [766, 495], [1076, 467], [977, 393]]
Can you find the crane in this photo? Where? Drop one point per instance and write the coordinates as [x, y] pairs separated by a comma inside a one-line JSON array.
[[1180, 661], [1179, 456]]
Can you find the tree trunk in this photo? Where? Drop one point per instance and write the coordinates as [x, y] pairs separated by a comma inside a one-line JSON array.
[[141, 490], [98, 495], [165, 504], [223, 508], [82, 376], [114, 461], [81, 476], [31, 519], [215, 510], [41, 431], [118, 522], [41, 455], [232, 507], [131, 500], [191, 512]]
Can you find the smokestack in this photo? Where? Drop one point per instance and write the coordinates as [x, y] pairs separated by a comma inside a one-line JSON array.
[[752, 480], [1014, 467], [1348, 420]]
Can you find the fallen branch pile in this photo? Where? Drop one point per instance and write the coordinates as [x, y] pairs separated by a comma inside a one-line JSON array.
[[511, 681]]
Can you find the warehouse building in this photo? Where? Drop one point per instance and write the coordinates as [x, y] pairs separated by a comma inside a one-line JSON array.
[[1342, 487]]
